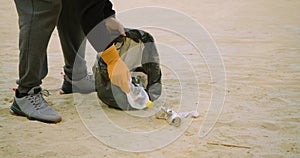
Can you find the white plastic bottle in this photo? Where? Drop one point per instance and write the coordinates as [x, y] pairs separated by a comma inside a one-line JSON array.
[[138, 97]]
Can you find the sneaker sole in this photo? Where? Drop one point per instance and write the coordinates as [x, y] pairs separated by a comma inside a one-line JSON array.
[[15, 110]]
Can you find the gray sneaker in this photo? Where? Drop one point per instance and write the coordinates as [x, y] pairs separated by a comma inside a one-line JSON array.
[[85, 85], [34, 107]]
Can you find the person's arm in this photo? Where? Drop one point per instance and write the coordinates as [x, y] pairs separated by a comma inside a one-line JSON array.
[[111, 22], [108, 9], [97, 21], [93, 12]]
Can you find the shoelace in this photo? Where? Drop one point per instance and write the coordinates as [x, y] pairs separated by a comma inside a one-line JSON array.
[[38, 98]]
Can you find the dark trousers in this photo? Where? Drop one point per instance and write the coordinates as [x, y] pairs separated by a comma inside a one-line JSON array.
[[37, 20]]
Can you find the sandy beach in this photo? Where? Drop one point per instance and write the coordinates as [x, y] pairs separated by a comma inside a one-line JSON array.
[[259, 44]]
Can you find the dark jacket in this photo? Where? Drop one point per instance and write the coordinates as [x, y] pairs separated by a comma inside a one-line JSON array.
[[92, 12]]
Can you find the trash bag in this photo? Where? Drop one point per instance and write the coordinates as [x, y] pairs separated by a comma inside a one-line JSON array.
[[139, 53]]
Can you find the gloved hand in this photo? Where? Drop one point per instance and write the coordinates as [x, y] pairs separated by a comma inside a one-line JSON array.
[[118, 72], [113, 24]]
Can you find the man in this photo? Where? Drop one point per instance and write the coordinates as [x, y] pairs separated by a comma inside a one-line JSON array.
[[37, 20]]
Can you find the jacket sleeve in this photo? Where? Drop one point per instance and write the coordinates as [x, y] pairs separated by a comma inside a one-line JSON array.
[[93, 12], [108, 9]]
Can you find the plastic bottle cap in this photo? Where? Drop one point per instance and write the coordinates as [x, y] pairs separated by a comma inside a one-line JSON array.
[[150, 104]]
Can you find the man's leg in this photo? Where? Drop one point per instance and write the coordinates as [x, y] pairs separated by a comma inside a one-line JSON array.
[[37, 19], [73, 45]]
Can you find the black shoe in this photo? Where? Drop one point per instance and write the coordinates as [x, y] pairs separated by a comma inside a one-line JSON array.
[[85, 85]]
